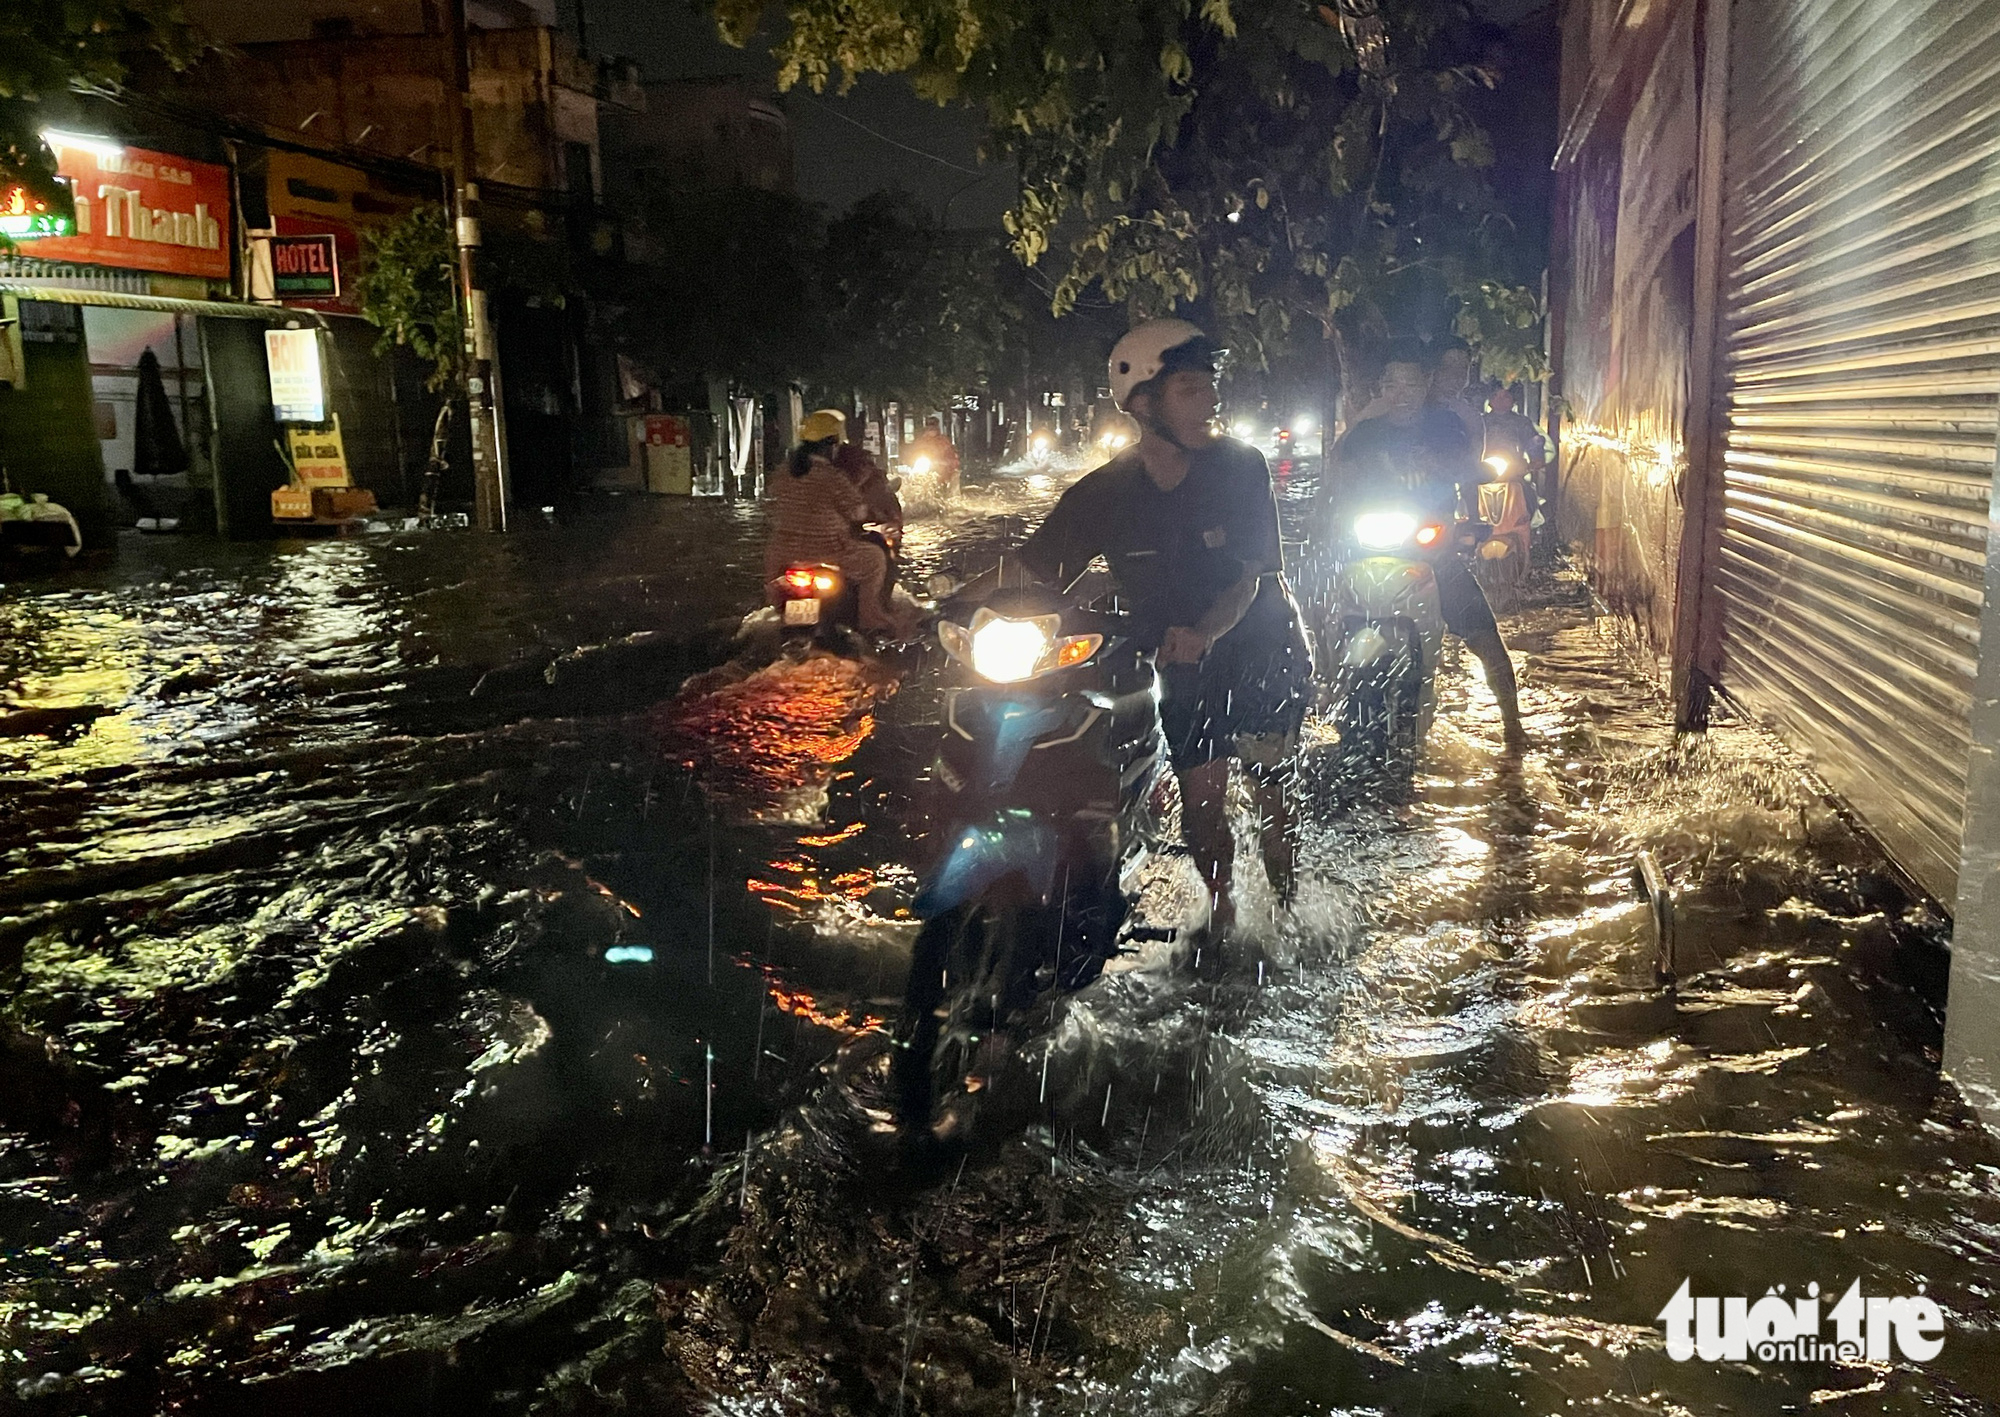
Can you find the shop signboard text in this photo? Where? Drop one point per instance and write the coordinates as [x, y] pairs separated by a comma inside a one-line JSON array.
[[140, 210]]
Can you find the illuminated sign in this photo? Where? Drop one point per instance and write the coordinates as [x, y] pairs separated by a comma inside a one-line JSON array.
[[26, 218], [140, 210], [305, 267], [297, 393]]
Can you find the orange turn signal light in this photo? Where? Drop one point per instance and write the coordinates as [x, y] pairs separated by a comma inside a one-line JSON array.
[[823, 582], [1076, 649], [1427, 535]]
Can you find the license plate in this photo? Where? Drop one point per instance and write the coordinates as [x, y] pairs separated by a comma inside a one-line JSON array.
[[802, 612]]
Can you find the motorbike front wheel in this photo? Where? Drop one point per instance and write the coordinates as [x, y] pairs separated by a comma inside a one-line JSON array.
[[972, 970], [1383, 713]]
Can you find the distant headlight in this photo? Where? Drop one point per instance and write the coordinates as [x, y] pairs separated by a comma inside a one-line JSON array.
[[1041, 443], [1384, 531], [922, 464], [1498, 464]]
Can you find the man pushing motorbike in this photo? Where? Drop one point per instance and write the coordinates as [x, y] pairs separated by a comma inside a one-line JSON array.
[[1188, 525], [1420, 447]]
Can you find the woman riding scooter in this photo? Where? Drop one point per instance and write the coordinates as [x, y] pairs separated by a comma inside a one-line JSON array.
[[817, 516]]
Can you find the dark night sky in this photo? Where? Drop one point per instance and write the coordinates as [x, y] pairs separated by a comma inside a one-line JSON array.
[[838, 161]]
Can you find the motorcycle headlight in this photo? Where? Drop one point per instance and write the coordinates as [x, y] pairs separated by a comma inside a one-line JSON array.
[[1498, 464], [1007, 651], [1041, 444], [922, 464], [1384, 531]]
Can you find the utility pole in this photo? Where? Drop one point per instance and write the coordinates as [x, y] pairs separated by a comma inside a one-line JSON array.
[[489, 467]]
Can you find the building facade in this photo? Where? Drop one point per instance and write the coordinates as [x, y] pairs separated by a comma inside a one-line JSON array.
[[1778, 334], [345, 113], [133, 385]]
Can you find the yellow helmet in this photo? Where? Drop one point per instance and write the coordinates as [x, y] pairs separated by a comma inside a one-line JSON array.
[[826, 423]]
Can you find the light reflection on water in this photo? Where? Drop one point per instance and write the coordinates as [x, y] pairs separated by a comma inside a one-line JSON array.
[[351, 1100], [1509, 1147]]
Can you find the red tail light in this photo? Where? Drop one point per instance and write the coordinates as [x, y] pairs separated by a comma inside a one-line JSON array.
[[800, 579]]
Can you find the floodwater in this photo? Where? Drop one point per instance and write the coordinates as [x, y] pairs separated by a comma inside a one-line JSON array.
[[413, 1006]]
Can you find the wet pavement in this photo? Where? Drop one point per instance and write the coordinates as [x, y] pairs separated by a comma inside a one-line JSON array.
[[413, 1006]]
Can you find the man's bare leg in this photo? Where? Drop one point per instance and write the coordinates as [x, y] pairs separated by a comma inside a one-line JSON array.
[[1205, 827], [1278, 830], [1491, 652]]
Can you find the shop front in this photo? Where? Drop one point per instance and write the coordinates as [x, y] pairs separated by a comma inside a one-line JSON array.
[[128, 392]]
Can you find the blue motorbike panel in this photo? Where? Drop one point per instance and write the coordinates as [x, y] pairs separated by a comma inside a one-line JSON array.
[[984, 854]]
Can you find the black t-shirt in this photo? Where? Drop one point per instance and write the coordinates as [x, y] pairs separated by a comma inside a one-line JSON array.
[[1431, 458], [1173, 553]]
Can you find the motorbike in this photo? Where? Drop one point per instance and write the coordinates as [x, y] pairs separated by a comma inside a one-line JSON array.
[[938, 474], [1506, 504], [1050, 749], [816, 604], [1386, 623]]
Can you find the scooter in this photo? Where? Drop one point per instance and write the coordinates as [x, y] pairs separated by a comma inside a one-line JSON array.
[[815, 604], [1506, 504], [1049, 754], [815, 601], [1386, 623]]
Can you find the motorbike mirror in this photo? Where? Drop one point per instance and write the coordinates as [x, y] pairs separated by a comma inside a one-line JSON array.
[[895, 483], [944, 585]]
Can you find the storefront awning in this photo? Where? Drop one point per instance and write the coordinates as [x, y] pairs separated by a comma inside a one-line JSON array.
[[227, 310]]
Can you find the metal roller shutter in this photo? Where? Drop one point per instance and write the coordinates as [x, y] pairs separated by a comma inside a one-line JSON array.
[[1860, 363]]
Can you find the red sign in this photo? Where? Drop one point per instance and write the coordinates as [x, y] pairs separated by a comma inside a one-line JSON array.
[[663, 430], [142, 210], [346, 256]]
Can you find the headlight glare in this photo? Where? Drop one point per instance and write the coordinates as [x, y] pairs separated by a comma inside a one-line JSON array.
[[1384, 531], [1008, 651]]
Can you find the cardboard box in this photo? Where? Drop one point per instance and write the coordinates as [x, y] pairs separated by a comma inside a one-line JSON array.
[[338, 504], [292, 504]]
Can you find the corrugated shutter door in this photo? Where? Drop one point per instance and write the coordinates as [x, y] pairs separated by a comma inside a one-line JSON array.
[[1861, 362]]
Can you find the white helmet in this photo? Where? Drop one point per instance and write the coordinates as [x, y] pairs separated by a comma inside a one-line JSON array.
[[1155, 348]]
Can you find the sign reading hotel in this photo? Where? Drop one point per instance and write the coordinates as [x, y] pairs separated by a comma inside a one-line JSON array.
[[136, 209], [305, 267], [297, 393]]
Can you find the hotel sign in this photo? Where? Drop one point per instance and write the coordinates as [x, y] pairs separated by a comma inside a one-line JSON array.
[[298, 393], [138, 209], [305, 267]]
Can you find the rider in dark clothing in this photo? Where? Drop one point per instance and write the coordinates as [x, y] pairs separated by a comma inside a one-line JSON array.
[[1421, 449], [1188, 524]]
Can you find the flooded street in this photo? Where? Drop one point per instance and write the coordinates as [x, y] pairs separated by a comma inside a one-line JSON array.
[[413, 1006]]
